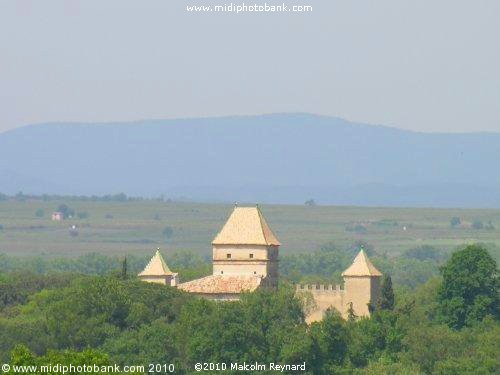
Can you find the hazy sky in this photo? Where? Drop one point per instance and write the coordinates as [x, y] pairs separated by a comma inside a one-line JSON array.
[[423, 64]]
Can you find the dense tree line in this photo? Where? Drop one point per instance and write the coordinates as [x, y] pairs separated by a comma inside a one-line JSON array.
[[448, 325], [188, 264], [408, 269], [120, 197]]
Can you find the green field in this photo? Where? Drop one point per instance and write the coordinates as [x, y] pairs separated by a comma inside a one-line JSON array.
[[135, 227]]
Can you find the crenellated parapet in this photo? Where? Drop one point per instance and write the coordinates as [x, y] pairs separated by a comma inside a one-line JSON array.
[[319, 288]]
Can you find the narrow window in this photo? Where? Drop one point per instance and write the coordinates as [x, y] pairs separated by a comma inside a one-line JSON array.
[[251, 256], [228, 256], [221, 272], [255, 272]]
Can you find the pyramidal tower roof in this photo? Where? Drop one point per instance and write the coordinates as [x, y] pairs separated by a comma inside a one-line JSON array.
[[361, 266], [156, 266], [246, 226]]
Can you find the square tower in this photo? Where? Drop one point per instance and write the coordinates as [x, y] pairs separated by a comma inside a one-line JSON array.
[[361, 285], [246, 246]]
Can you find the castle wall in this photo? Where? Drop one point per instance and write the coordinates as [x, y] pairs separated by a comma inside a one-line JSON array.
[[358, 290], [324, 297]]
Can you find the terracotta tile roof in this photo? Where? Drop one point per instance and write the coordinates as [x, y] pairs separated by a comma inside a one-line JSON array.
[[156, 266], [361, 266], [222, 284], [246, 226]]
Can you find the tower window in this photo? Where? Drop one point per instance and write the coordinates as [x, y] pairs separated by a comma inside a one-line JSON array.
[[228, 256], [255, 272], [251, 256], [221, 272]]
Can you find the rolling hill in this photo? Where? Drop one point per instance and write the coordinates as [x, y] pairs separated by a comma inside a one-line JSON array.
[[278, 158]]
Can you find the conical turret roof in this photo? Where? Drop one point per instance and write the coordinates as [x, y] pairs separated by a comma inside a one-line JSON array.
[[246, 226], [156, 266], [361, 266]]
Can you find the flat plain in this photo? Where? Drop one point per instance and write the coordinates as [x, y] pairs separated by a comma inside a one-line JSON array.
[[137, 227]]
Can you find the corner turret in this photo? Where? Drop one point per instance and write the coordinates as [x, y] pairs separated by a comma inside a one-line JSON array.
[[157, 271], [361, 284]]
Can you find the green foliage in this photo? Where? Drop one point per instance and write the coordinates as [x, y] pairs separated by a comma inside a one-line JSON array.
[[386, 298], [327, 262], [40, 213], [489, 226], [425, 252], [188, 264], [310, 203], [88, 312], [82, 215], [124, 268], [351, 315], [22, 356], [357, 228], [455, 221], [330, 341], [167, 232], [477, 224], [470, 287], [110, 319], [373, 338], [17, 287], [66, 210], [407, 271]]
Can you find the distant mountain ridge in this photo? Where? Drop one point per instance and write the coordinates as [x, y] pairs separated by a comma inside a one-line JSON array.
[[277, 158]]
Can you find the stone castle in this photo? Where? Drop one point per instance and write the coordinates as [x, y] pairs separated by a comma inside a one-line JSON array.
[[245, 258], [361, 289]]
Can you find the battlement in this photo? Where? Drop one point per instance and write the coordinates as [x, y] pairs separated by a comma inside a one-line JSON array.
[[319, 288]]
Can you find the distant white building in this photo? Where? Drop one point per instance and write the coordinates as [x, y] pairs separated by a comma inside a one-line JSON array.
[[57, 216]]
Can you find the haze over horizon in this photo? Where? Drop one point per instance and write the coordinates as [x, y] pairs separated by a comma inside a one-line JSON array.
[[421, 66], [280, 158]]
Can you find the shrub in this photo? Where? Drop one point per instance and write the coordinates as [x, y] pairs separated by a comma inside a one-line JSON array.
[[455, 221], [168, 232], [82, 215], [477, 224]]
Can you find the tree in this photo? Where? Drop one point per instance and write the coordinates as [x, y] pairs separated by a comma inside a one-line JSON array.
[[386, 299], [351, 316], [477, 224], [82, 215], [424, 252], [21, 355], [489, 226], [124, 268], [39, 213], [455, 221], [310, 203], [331, 338], [168, 233], [469, 291], [65, 210]]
